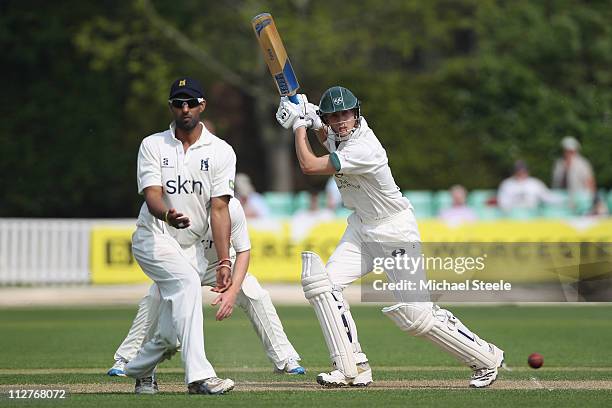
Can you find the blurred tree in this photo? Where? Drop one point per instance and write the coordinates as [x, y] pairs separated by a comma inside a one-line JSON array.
[[540, 72], [64, 151], [455, 90]]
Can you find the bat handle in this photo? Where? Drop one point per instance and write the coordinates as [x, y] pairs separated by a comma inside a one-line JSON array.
[[294, 99]]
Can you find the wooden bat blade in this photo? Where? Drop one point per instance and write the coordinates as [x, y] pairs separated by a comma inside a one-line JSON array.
[[275, 55]]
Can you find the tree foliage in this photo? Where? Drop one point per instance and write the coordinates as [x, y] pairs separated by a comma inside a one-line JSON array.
[[455, 90]]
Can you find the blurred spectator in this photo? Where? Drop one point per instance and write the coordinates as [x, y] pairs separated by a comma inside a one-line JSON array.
[[599, 207], [334, 199], [303, 220], [253, 203], [573, 172], [458, 212], [314, 209], [522, 191]]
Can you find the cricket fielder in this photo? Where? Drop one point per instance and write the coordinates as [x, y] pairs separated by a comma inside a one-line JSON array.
[[381, 215], [250, 297], [186, 175]]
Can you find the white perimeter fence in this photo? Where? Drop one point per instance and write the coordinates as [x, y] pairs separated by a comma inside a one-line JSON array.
[[47, 251]]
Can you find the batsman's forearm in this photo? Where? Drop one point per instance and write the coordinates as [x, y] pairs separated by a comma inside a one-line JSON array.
[[221, 226], [240, 269], [303, 151], [322, 136], [309, 162]]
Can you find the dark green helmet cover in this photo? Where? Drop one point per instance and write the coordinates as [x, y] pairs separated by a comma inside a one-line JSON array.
[[336, 99]]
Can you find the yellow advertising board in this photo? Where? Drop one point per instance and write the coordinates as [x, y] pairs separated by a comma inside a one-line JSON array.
[[111, 256], [276, 248]]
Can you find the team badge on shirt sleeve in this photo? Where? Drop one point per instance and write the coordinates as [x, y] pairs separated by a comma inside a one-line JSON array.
[[167, 162]]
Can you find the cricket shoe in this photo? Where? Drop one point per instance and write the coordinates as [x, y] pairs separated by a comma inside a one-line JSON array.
[[484, 377], [337, 379], [292, 367], [118, 369], [211, 386], [146, 385]]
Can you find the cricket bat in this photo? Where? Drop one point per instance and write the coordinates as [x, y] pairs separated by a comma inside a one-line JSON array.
[[276, 56]]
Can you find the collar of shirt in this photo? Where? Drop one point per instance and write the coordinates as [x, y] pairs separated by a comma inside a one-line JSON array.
[[334, 146], [204, 139]]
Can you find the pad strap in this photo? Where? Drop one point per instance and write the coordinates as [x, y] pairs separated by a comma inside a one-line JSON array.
[[442, 328]]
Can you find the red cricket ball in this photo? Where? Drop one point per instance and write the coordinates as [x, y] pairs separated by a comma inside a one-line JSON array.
[[535, 360]]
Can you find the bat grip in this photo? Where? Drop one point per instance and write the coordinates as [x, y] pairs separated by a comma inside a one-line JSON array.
[[294, 99]]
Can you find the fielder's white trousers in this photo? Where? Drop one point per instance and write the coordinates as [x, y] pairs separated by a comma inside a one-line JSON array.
[[252, 299], [175, 271]]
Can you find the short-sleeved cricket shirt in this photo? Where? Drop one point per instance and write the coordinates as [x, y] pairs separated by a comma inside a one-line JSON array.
[[364, 177], [189, 179], [239, 237]]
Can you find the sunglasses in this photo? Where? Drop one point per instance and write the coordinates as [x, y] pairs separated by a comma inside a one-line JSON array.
[[191, 103]]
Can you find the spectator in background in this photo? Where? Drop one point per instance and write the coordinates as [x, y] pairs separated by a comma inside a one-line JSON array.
[[520, 191], [599, 207], [458, 212], [303, 220], [253, 203], [334, 199], [573, 172]]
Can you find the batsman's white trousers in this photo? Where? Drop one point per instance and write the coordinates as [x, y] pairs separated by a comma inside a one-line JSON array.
[[344, 266], [175, 271], [414, 313], [252, 298]]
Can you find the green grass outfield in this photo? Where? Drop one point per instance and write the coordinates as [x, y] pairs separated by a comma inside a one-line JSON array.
[[72, 348]]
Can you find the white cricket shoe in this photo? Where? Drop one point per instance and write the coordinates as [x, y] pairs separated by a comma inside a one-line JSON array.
[[292, 367], [146, 385], [211, 386], [118, 369], [337, 379], [484, 377]]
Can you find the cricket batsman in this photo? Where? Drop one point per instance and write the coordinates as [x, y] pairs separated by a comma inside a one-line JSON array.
[[381, 216]]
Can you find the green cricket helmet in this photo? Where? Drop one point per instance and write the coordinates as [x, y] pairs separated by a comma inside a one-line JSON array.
[[337, 99]]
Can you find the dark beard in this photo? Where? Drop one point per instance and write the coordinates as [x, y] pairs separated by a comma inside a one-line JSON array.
[[187, 126]]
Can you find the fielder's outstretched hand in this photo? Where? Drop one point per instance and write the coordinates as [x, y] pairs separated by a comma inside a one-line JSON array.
[[227, 301], [224, 280]]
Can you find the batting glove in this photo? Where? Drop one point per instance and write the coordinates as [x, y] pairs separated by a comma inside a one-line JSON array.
[[291, 115], [314, 121]]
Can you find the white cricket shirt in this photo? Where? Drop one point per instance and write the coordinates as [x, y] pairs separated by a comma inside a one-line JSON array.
[[524, 193], [189, 179], [239, 238], [364, 179]]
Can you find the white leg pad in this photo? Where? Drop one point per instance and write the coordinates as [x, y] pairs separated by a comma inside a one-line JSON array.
[[442, 328], [349, 325], [318, 291]]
